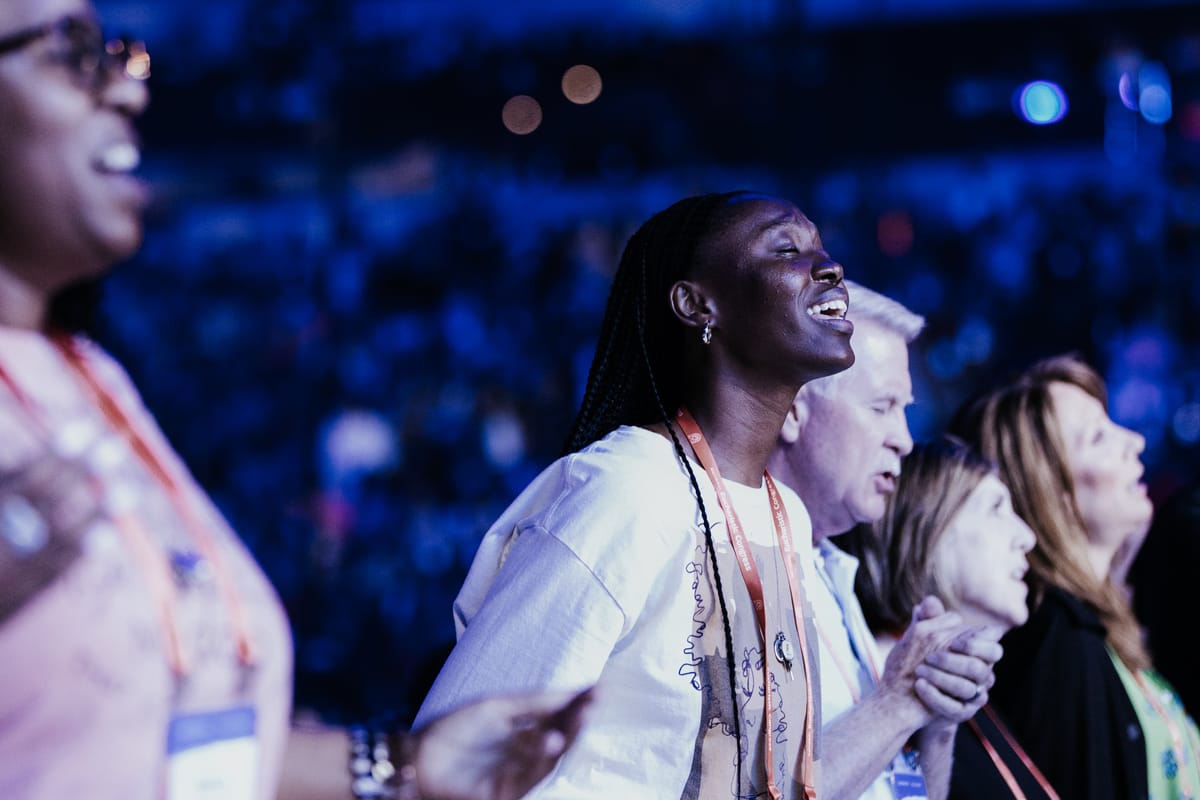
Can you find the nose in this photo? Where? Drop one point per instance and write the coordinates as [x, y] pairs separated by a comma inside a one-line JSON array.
[[1025, 539], [826, 270], [899, 438], [125, 93], [1137, 442]]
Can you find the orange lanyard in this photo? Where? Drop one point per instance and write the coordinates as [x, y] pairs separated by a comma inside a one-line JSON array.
[[139, 542], [749, 570], [1001, 767]]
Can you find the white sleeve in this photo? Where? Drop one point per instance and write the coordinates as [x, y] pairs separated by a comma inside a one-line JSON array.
[[547, 623]]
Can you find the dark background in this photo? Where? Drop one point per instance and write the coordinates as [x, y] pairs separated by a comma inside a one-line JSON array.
[[365, 310]]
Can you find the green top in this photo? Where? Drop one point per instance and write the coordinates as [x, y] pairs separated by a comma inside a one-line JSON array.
[[1173, 773]]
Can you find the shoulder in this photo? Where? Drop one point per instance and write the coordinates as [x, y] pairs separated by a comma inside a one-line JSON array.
[[108, 371], [631, 474], [628, 487]]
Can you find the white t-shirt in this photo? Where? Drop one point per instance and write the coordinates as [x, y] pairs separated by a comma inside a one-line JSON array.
[[598, 573]]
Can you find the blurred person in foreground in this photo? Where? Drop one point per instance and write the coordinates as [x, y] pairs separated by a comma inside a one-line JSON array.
[[949, 531], [143, 654], [888, 731], [1076, 683]]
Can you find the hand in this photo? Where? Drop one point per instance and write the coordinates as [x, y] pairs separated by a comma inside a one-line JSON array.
[[953, 682], [931, 629], [497, 748], [942, 665]]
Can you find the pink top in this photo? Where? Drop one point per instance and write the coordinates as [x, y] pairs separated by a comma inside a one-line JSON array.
[[86, 692]]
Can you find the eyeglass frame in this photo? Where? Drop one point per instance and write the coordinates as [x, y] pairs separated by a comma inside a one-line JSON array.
[[111, 56]]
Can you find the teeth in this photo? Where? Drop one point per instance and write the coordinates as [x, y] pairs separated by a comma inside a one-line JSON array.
[[837, 306], [123, 157]]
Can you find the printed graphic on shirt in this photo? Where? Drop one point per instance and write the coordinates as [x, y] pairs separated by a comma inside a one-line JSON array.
[[706, 667]]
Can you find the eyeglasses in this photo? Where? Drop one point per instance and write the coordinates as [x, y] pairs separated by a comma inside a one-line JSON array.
[[80, 46]]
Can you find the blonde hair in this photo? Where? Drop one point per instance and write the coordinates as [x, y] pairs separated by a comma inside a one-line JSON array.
[[1015, 426]]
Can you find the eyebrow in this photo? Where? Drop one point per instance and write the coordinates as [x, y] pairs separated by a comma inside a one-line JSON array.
[[785, 220]]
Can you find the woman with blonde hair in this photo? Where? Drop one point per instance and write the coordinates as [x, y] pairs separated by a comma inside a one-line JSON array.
[[1076, 682]]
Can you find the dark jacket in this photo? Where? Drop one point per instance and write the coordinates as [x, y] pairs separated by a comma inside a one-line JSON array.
[[1064, 701], [976, 777]]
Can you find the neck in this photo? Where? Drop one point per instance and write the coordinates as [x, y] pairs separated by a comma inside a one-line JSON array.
[[783, 469], [21, 304], [741, 434], [1100, 559]]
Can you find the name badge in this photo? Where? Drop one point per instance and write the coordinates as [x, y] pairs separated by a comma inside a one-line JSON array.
[[907, 781], [212, 756]]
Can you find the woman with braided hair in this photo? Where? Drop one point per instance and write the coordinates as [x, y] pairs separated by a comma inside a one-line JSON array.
[[654, 558]]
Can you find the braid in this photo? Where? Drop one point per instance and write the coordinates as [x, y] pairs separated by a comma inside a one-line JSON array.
[[637, 375]]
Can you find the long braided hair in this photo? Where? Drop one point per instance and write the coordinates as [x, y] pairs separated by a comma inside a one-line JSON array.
[[638, 375]]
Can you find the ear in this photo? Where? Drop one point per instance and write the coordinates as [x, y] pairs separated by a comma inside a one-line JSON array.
[[796, 417], [692, 304]]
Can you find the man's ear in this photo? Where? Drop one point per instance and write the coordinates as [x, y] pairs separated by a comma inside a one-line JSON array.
[[796, 417], [692, 304]]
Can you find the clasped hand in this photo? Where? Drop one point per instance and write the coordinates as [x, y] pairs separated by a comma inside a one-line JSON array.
[[943, 663]]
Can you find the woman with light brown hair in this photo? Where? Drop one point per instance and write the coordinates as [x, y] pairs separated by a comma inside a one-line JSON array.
[[949, 530], [1076, 682]]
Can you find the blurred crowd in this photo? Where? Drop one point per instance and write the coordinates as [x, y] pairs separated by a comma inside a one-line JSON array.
[[364, 356]]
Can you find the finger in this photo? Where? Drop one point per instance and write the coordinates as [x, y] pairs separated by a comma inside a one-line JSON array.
[[981, 647], [554, 704], [948, 707], [928, 608], [957, 685], [969, 668]]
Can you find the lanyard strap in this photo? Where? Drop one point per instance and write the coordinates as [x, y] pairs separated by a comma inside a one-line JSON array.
[[749, 570], [1001, 767], [139, 542], [848, 675]]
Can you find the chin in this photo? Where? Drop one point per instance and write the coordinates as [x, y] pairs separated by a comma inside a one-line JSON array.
[[113, 248]]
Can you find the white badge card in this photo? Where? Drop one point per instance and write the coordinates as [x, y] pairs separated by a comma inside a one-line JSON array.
[[213, 756], [907, 781]]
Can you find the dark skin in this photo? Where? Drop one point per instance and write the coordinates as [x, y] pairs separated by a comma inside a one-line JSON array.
[[755, 283]]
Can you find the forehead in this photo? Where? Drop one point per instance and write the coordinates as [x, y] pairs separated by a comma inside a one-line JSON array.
[[989, 487], [756, 215], [1067, 397], [1073, 407]]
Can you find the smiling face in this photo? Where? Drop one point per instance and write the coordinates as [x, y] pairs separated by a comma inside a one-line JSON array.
[[68, 205], [979, 562], [1105, 466], [779, 301]]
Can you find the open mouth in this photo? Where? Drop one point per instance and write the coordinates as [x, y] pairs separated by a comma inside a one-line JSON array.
[[830, 309], [119, 158]]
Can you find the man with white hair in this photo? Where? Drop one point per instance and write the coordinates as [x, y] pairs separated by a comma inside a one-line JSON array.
[[887, 727]]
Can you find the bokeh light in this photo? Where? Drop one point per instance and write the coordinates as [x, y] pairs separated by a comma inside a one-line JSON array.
[[895, 233], [521, 114], [1041, 102], [581, 84], [1154, 93]]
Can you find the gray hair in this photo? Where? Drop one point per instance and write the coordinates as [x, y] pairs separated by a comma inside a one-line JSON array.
[[869, 305]]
